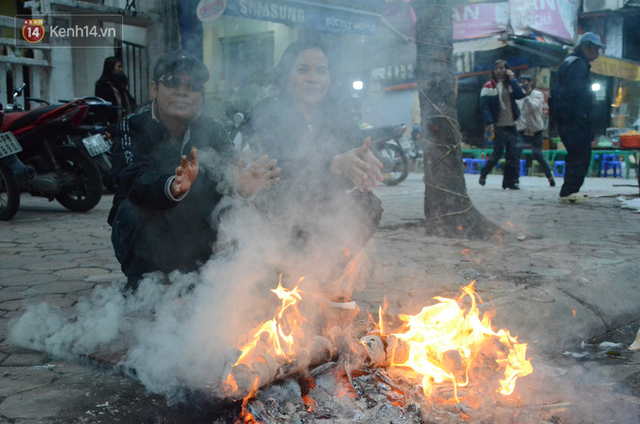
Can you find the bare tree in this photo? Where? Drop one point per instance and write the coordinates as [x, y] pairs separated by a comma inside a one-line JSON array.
[[447, 207]]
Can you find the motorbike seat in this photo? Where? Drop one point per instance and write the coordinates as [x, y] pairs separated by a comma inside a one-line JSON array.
[[17, 120]]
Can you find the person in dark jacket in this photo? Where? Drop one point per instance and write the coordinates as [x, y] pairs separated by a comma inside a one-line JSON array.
[[113, 87], [573, 104], [163, 211], [323, 198], [499, 113]]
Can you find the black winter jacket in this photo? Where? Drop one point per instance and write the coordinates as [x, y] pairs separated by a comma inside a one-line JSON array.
[[304, 152], [572, 96], [177, 233]]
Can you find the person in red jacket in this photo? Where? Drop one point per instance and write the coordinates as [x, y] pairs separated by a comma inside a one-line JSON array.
[[499, 113]]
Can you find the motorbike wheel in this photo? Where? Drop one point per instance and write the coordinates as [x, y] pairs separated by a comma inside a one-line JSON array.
[[87, 189], [9, 193], [395, 163]]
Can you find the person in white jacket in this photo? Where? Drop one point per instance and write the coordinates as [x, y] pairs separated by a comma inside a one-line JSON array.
[[531, 123]]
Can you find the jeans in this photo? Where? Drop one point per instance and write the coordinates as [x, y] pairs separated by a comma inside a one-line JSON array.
[[535, 141], [505, 139], [576, 138]]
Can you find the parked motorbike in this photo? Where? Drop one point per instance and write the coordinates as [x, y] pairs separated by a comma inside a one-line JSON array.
[[9, 189], [386, 145], [95, 133], [62, 170], [238, 129]]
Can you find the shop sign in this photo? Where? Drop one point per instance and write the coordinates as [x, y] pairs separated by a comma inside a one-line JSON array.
[[210, 10], [480, 20], [618, 68], [296, 13], [553, 17]]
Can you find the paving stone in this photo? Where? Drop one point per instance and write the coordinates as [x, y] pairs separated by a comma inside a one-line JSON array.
[[25, 359], [18, 379], [38, 403], [78, 272]]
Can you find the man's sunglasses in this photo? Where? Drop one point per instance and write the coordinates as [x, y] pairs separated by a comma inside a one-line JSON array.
[[173, 82]]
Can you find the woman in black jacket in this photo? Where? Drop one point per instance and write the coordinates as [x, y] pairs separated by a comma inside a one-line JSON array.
[[112, 86], [323, 201]]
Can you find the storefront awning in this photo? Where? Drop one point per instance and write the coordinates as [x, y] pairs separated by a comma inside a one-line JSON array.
[[311, 15], [614, 67]]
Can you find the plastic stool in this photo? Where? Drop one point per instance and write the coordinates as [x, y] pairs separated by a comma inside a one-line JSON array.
[[556, 171], [611, 162], [523, 167], [474, 166]]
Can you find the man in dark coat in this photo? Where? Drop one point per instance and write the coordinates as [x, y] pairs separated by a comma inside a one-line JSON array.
[[163, 211], [573, 104]]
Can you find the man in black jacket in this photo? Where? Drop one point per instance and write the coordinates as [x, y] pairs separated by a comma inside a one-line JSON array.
[[573, 103], [163, 214]]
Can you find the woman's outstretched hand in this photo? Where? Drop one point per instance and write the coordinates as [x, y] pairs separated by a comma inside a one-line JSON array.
[[186, 174], [257, 176], [359, 165]]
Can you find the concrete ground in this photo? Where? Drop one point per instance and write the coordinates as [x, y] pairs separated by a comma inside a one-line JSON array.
[[556, 275]]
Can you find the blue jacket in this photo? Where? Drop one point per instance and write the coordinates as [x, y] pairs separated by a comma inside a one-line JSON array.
[[490, 100]]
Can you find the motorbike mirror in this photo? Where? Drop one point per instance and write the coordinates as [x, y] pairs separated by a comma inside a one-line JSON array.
[[237, 119], [18, 91]]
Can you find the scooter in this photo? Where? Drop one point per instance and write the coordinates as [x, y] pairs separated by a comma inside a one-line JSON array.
[[62, 170], [386, 145]]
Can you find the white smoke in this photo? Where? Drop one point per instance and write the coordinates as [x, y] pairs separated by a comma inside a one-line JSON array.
[[177, 332]]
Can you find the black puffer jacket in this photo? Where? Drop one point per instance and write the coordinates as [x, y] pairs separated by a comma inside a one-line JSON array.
[[304, 152], [168, 233], [572, 94]]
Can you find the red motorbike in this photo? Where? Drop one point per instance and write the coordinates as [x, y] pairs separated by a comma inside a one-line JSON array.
[[39, 152]]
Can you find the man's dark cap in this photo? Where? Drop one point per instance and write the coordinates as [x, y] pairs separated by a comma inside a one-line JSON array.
[[525, 77], [180, 61]]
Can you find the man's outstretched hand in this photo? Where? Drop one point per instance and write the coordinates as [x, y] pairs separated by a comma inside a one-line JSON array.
[[186, 174]]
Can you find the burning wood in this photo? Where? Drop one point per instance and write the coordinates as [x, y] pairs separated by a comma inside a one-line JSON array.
[[444, 343]]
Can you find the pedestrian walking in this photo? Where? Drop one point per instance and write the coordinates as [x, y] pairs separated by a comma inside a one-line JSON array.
[[572, 106], [499, 113], [531, 123]]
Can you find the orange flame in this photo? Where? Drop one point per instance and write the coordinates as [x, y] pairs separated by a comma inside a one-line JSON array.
[[281, 331], [445, 327]]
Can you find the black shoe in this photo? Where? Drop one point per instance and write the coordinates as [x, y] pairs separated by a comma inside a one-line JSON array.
[[483, 180], [132, 286], [552, 182], [514, 186]]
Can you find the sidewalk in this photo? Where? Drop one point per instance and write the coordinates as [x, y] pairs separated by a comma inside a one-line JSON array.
[[556, 275]]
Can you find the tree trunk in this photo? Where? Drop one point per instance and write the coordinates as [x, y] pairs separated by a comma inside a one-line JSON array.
[[447, 207]]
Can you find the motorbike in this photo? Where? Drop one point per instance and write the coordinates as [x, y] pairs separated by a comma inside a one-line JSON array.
[[239, 128], [46, 162], [386, 145], [94, 135], [9, 189]]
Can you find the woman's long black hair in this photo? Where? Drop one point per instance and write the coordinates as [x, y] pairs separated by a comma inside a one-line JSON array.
[[107, 69], [496, 63]]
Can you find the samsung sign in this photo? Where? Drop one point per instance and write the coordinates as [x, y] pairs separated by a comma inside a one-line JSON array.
[[294, 13]]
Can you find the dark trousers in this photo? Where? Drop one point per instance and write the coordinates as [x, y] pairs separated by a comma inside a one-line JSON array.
[[535, 141], [505, 139], [576, 138]]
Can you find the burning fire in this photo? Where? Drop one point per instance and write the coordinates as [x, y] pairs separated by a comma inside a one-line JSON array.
[[437, 331], [280, 331], [444, 343]]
